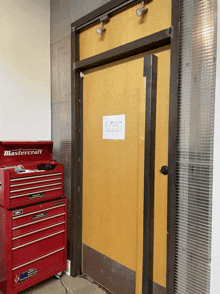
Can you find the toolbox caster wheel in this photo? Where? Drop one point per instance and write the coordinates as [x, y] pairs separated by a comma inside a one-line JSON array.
[[57, 276]]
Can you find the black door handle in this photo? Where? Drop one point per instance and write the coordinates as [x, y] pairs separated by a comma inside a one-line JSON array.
[[164, 170]]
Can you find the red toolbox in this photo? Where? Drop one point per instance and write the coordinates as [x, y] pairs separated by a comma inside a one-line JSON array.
[[33, 215], [23, 180]]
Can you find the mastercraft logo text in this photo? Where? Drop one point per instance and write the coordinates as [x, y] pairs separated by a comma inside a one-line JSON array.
[[23, 152]]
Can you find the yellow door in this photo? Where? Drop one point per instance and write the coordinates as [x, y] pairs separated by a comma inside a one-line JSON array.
[[113, 173]]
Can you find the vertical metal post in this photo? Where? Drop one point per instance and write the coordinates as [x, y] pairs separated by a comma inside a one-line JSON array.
[[76, 155], [172, 150], [150, 72]]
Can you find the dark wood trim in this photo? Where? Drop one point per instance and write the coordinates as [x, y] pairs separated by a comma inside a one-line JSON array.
[[76, 161], [172, 149], [147, 43], [151, 42], [150, 72], [109, 273], [74, 46], [104, 9]]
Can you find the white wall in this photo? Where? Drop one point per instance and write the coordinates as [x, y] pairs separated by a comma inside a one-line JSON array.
[[25, 105], [215, 261]]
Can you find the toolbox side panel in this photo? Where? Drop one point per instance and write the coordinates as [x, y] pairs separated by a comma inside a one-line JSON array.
[[1, 188], [4, 188], [3, 276], [5, 251]]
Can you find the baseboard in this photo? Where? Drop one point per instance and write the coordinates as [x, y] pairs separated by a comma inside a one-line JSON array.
[[107, 272]]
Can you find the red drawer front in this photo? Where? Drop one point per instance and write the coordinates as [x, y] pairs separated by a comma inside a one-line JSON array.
[[28, 252], [22, 222], [39, 224], [35, 268], [34, 182], [37, 234], [38, 196], [38, 187], [34, 216], [26, 188]]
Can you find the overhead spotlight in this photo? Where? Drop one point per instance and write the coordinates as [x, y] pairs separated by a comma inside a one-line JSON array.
[[140, 11], [99, 30], [103, 19]]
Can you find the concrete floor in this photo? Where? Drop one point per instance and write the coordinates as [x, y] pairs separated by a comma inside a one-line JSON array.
[[78, 285]]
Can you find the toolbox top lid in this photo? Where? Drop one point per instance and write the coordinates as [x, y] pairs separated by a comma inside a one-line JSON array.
[[12, 153]]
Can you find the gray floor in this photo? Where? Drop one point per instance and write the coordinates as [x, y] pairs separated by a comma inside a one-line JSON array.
[[53, 286]]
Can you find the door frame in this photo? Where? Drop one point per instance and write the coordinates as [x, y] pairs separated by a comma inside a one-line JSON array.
[[169, 36]]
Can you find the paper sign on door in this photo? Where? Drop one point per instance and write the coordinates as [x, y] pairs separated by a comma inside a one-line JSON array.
[[114, 127]]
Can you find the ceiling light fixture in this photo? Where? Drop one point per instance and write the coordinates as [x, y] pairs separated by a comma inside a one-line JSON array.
[[99, 30], [103, 20]]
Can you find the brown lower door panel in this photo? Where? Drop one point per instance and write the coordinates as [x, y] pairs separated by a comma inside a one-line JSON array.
[[107, 272]]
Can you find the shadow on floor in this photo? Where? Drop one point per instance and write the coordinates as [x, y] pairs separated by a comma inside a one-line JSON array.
[[52, 285]]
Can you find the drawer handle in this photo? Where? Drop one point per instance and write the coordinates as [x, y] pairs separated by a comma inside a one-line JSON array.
[[37, 231], [35, 177], [39, 258], [32, 242], [19, 216], [41, 215], [22, 195], [36, 187], [36, 182], [40, 220]]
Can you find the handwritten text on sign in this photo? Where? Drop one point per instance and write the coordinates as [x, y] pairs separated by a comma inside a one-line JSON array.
[[114, 127]]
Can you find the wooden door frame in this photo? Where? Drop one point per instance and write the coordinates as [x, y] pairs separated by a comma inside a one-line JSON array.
[[169, 36]]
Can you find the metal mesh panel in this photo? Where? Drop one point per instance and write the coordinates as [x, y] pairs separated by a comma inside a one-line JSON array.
[[61, 109], [63, 13], [195, 145]]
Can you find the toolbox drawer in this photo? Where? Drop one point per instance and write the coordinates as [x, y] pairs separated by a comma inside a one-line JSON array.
[[38, 217], [20, 189], [29, 218], [35, 268], [39, 224], [31, 251], [37, 234], [35, 187]]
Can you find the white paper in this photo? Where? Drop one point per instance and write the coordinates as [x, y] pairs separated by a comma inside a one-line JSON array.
[[114, 127]]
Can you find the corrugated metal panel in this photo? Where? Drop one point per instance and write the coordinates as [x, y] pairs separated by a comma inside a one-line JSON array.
[[63, 13], [195, 145], [61, 110]]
